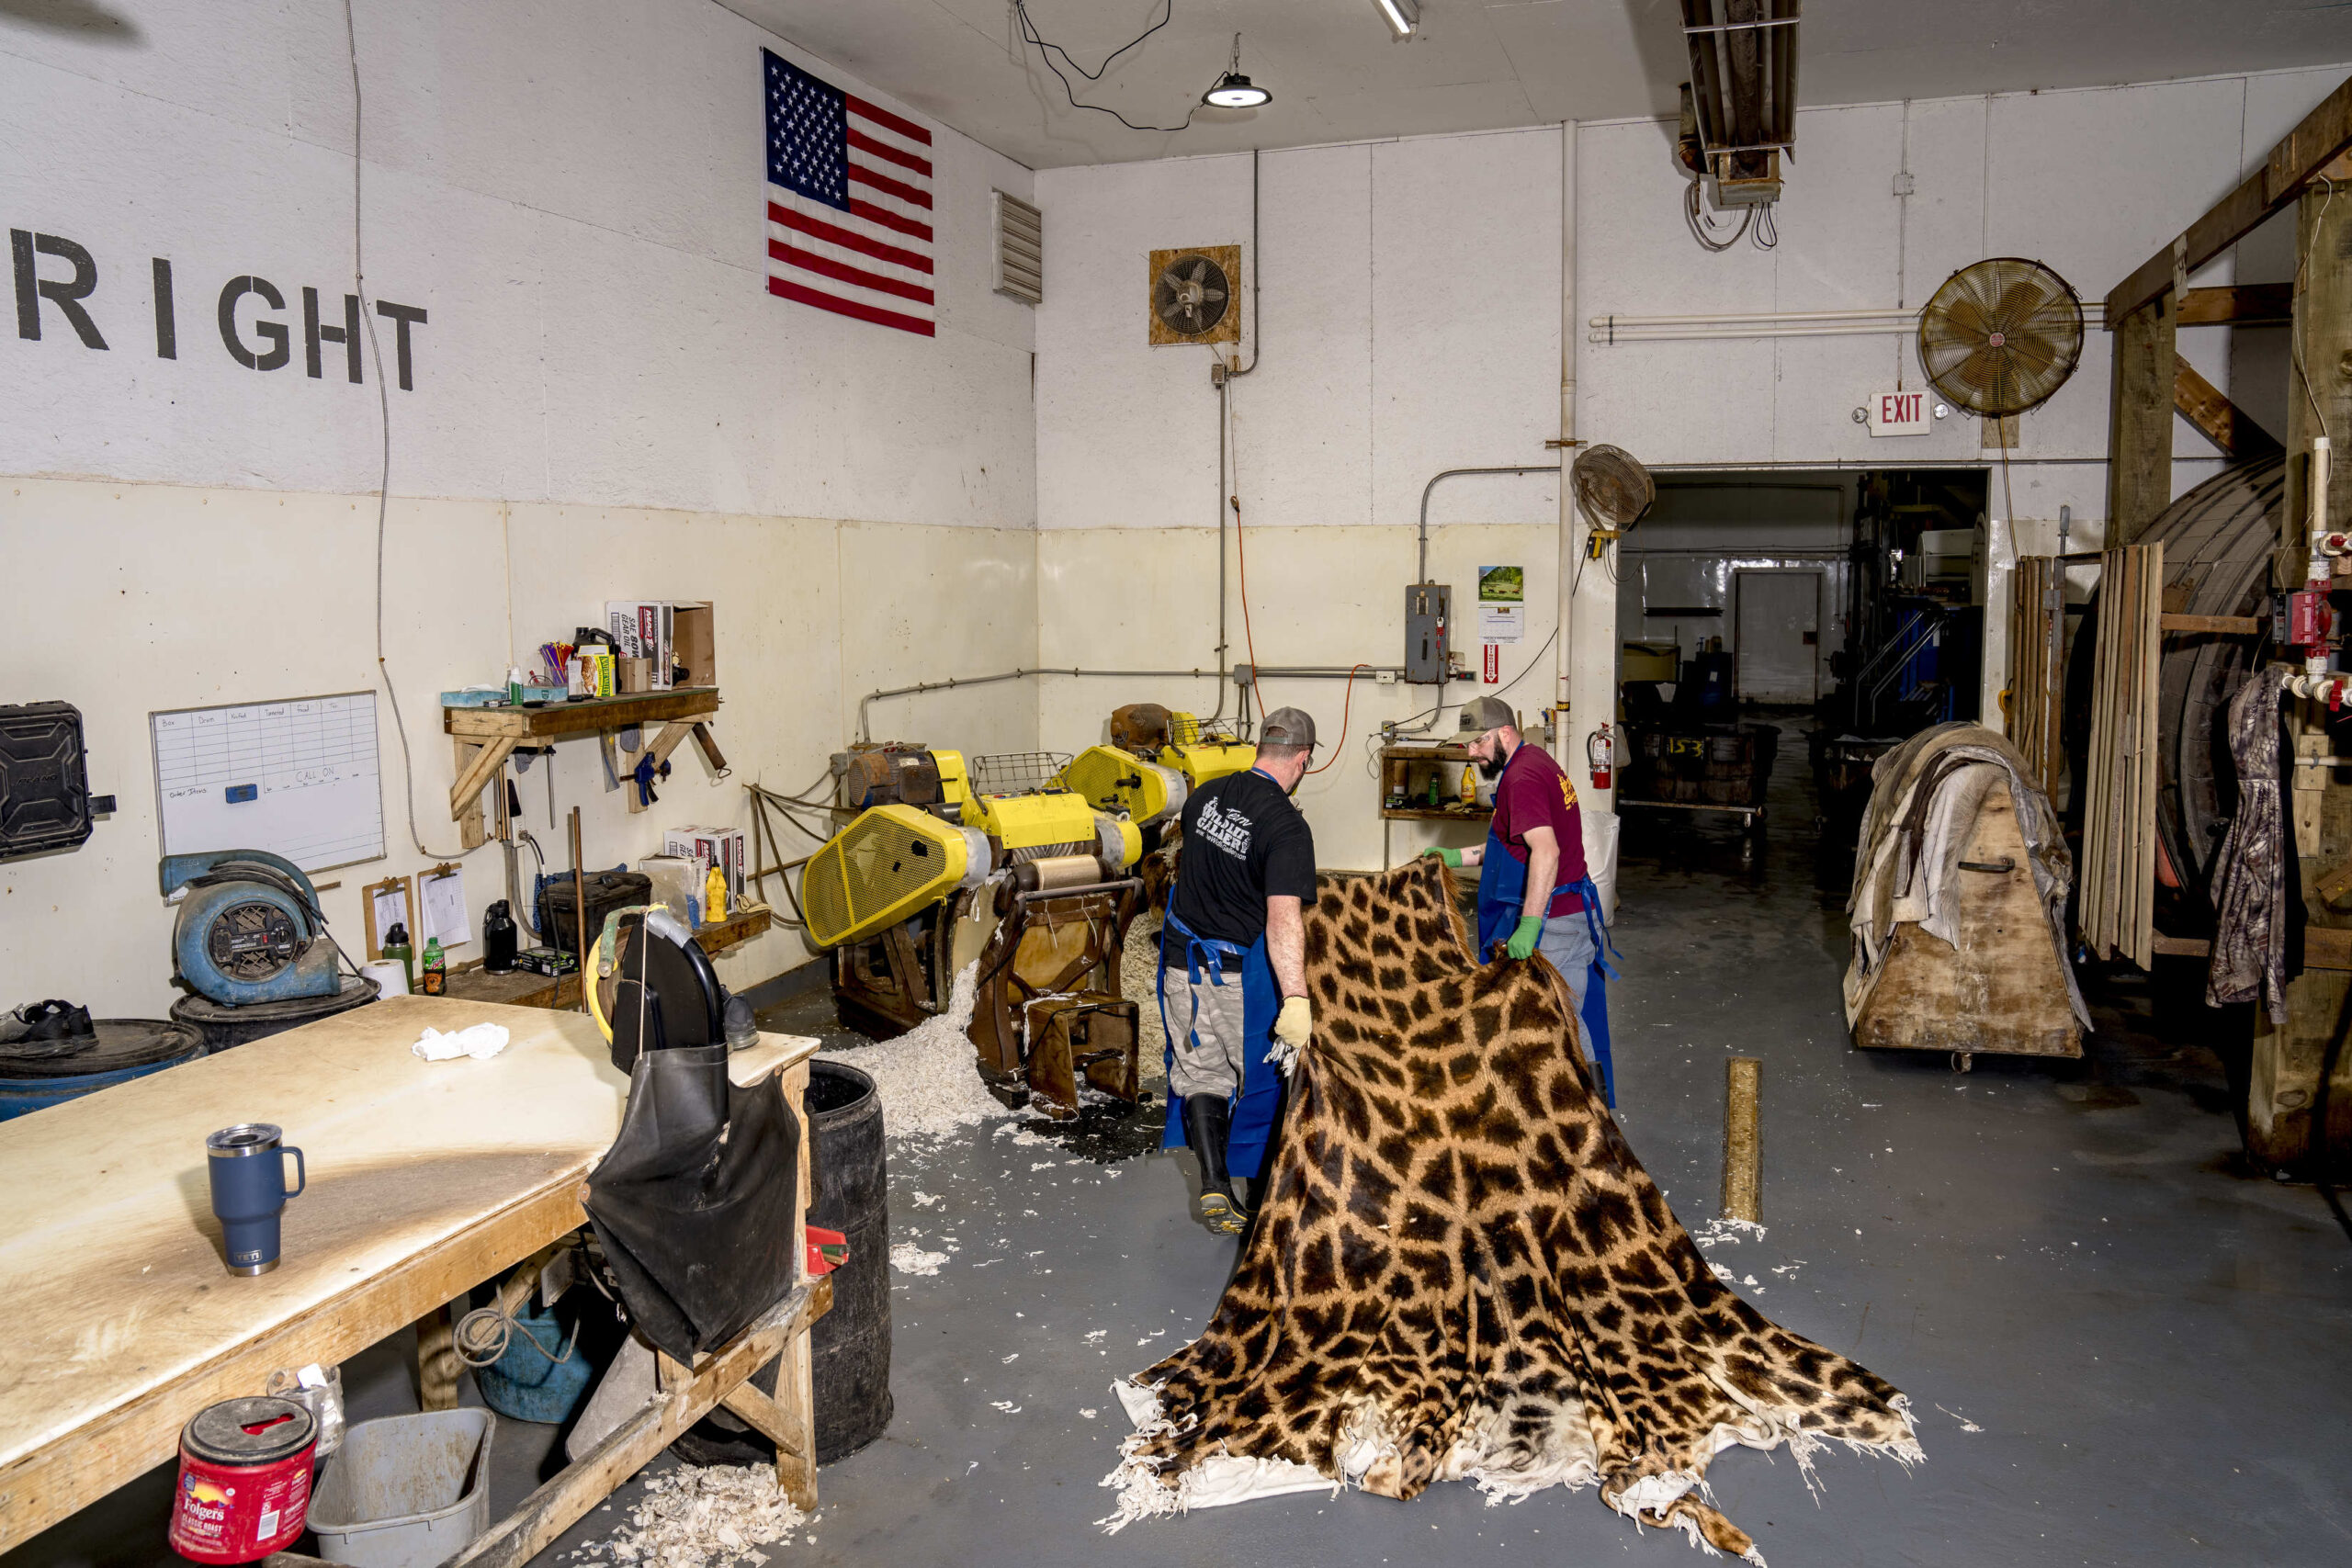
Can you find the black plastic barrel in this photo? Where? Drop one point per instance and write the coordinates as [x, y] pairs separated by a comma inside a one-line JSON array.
[[850, 1347], [223, 1027], [33, 1077]]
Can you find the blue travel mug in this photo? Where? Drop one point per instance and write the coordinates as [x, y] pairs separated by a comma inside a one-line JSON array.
[[248, 1170]]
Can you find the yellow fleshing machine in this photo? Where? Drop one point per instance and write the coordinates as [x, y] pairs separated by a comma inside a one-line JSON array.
[[1155, 758], [1001, 865]]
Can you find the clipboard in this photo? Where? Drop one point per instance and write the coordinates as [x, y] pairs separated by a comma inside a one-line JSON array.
[[406, 889]]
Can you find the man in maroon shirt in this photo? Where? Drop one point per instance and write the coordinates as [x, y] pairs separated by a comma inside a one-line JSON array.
[[1532, 887]]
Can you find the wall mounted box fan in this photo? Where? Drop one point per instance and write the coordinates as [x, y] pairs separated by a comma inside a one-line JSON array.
[[1194, 294]]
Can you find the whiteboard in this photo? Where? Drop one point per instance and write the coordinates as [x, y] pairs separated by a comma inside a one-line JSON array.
[[297, 778]]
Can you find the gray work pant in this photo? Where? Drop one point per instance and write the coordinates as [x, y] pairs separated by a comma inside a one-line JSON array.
[[1567, 942], [1213, 1013]]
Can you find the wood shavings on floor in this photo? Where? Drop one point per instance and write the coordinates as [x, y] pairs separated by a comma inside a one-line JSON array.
[[909, 1259], [1139, 983], [697, 1517], [926, 1077]]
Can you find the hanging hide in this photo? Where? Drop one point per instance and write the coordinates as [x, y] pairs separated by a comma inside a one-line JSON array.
[[1463, 1272]]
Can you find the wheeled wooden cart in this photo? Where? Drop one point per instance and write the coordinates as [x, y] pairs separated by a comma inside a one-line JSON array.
[[2000, 989]]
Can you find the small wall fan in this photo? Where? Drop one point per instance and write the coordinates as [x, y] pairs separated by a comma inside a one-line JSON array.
[[1612, 488]]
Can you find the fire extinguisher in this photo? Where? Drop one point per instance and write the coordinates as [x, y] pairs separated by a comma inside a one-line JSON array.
[[1600, 751]]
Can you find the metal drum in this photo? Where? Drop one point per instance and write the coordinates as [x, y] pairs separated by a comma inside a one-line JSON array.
[[118, 1050]]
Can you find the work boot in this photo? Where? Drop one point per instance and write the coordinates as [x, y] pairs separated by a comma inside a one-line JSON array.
[[1207, 1125]]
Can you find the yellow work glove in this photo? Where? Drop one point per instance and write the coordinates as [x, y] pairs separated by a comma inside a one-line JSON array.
[[1453, 858], [1522, 941], [1294, 1022]]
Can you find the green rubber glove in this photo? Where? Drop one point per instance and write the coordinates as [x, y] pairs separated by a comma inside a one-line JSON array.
[[1522, 941], [1453, 858]]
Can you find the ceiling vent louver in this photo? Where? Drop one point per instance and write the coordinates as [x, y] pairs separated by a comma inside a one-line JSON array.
[[1020, 230]]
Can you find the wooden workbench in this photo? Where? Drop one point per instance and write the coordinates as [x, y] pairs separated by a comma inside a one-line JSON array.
[[425, 1178]]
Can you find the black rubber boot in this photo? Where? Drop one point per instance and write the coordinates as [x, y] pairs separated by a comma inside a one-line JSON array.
[[1207, 1125]]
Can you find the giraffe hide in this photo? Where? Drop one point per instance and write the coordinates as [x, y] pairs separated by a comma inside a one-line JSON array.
[[1462, 1273]]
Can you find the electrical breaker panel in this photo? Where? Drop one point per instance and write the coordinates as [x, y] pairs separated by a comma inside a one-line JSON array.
[[1428, 611]]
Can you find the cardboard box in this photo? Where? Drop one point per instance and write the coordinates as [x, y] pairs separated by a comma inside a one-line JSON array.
[[725, 848], [644, 628], [695, 644]]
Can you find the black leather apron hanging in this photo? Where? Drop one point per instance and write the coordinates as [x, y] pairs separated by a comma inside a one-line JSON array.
[[695, 1200]]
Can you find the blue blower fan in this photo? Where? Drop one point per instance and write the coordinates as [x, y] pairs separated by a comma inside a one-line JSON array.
[[250, 930]]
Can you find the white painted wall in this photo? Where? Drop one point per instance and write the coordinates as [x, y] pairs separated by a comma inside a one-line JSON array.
[[606, 403], [1411, 299]]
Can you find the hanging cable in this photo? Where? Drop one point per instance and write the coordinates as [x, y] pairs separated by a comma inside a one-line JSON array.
[[1347, 706], [1046, 49], [1703, 229], [384, 477], [2301, 264]]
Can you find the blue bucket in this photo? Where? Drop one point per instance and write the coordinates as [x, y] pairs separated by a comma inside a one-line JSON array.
[[526, 1383], [121, 1049]]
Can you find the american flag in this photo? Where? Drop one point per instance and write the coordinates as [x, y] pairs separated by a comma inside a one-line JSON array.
[[849, 203]]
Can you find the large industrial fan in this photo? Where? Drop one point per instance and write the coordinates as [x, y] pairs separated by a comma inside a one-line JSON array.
[[249, 930], [2001, 336], [1613, 489]]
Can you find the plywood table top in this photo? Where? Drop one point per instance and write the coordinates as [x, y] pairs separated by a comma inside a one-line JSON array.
[[117, 1296]]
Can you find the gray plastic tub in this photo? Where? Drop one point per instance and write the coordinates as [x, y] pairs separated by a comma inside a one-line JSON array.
[[406, 1491]]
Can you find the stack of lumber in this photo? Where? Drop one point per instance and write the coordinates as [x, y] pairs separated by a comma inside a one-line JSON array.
[[2117, 879], [2037, 679]]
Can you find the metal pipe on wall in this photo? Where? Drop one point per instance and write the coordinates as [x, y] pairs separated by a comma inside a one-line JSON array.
[[1423, 574], [956, 680]]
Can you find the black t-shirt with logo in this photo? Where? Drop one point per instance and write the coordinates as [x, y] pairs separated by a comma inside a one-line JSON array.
[[1244, 843]]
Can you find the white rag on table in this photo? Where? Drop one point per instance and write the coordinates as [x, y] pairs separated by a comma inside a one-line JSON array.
[[482, 1040]]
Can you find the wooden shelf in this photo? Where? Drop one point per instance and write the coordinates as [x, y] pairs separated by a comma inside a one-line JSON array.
[[485, 737], [587, 716], [735, 930], [1397, 765], [1424, 814], [521, 988]]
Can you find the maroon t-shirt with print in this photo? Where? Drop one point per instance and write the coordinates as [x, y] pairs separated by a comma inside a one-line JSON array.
[[1534, 793]]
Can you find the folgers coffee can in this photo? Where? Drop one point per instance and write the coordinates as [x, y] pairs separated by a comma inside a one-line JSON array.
[[244, 1480]]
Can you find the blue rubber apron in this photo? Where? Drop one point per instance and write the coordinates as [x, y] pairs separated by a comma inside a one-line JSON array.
[[1503, 893], [1252, 1106]]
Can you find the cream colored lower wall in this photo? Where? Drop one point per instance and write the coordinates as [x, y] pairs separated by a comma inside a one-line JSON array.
[[1146, 599], [131, 598]]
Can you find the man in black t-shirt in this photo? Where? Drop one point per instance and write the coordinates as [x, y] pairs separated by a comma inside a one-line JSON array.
[[1235, 1005]]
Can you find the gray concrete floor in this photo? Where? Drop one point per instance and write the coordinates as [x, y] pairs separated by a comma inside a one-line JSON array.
[[2120, 1350]]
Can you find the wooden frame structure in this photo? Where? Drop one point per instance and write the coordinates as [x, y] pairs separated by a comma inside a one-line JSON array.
[[2145, 308], [2304, 169]]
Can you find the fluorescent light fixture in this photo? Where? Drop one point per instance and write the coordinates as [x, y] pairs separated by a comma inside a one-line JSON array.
[[1234, 91], [1402, 16]]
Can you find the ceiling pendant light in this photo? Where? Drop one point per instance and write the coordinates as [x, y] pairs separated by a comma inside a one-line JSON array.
[[1402, 16], [1234, 91]]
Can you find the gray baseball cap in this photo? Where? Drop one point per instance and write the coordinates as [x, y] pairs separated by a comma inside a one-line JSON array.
[[1287, 726], [1480, 714]]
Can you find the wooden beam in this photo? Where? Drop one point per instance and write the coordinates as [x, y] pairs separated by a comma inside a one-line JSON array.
[[2222, 626], [475, 771], [2139, 442], [2306, 151], [631, 1446], [2225, 424], [2242, 304]]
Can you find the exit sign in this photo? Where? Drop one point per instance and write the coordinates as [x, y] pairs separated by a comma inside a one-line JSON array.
[[1899, 413]]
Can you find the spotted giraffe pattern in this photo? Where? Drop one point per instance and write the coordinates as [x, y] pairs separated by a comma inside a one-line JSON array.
[[1462, 1270]]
